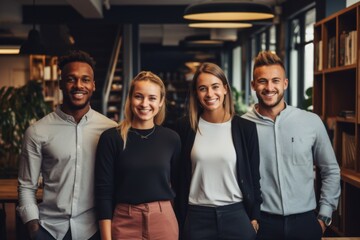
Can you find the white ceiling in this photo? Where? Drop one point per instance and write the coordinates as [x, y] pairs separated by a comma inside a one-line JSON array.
[[167, 34]]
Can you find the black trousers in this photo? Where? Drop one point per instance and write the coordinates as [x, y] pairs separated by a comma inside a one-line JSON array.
[[218, 223], [42, 234], [302, 226]]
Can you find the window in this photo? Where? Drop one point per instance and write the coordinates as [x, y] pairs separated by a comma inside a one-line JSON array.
[[301, 55]]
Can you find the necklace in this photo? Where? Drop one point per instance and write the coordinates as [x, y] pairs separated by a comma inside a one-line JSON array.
[[144, 136]]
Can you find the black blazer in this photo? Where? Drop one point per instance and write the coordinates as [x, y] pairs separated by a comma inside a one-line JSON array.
[[246, 144]]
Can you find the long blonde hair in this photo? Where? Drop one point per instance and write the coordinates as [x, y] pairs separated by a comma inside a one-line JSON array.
[[125, 124], [195, 109]]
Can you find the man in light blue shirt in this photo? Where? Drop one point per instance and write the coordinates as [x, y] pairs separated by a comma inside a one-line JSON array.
[[61, 147], [291, 142]]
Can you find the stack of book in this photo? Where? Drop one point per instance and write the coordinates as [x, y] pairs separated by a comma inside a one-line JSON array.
[[347, 114]]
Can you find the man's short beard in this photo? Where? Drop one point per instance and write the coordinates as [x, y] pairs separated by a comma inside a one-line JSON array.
[[264, 105], [74, 107]]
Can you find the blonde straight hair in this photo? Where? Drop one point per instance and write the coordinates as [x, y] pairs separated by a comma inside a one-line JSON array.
[[125, 124], [195, 108]]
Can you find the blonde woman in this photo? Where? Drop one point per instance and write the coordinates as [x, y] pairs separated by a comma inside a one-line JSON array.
[[220, 190], [135, 165]]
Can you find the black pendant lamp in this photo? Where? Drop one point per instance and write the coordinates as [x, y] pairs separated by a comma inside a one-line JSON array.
[[33, 44], [227, 10]]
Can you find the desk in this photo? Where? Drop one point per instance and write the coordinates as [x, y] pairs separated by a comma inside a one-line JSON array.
[[9, 200], [8, 191]]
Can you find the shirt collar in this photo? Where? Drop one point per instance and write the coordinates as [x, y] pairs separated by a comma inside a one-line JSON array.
[[68, 117], [267, 118]]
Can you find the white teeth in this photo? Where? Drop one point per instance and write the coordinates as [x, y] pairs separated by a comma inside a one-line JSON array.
[[211, 100], [270, 94], [144, 110], [79, 95]]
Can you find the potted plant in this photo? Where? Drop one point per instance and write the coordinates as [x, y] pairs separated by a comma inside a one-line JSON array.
[[240, 106], [19, 107], [307, 102]]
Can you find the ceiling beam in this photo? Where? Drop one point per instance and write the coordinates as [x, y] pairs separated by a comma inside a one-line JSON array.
[[127, 14], [88, 8]]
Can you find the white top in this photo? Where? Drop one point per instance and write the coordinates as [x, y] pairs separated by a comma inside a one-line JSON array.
[[213, 156]]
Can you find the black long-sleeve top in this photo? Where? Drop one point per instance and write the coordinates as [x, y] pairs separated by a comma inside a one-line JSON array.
[[142, 172]]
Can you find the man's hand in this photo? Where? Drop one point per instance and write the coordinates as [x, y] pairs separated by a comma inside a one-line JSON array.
[[33, 227], [323, 227], [255, 225]]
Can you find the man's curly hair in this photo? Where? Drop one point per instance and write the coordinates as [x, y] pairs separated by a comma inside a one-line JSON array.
[[76, 56]]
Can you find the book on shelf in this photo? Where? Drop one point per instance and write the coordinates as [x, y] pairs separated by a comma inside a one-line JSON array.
[[348, 151], [350, 47], [318, 55], [353, 46], [347, 114], [331, 52], [342, 48]]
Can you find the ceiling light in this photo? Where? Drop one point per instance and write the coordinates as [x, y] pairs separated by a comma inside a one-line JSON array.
[[9, 49], [216, 10], [202, 39], [33, 44], [219, 25]]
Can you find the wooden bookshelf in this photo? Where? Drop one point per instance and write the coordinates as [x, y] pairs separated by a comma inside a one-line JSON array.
[[44, 69], [337, 101]]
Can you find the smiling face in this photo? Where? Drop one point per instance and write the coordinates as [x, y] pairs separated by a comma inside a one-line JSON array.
[[211, 92], [77, 84], [146, 102], [270, 84]]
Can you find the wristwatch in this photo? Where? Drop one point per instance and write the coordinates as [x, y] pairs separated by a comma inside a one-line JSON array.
[[327, 221]]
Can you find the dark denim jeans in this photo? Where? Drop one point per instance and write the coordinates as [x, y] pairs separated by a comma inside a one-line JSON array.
[[216, 223], [302, 226]]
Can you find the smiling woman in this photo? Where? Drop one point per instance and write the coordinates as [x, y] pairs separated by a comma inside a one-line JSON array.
[[218, 147], [140, 146]]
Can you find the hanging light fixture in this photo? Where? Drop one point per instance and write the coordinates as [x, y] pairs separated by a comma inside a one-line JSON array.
[[228, 10], [33, 44], [219, 24], [200, 41]]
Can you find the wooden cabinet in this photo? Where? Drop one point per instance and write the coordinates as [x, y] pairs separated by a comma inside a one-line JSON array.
[[44, 69], [336, 99]]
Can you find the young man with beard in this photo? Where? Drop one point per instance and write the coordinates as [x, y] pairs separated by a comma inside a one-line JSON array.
[[291, 142], [61, 147]]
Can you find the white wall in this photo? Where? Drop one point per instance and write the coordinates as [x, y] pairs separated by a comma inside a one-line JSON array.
[[14, 70], [351, 2]]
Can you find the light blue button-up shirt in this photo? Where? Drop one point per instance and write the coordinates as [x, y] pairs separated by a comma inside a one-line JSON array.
[[290, 146], [63, 151]]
